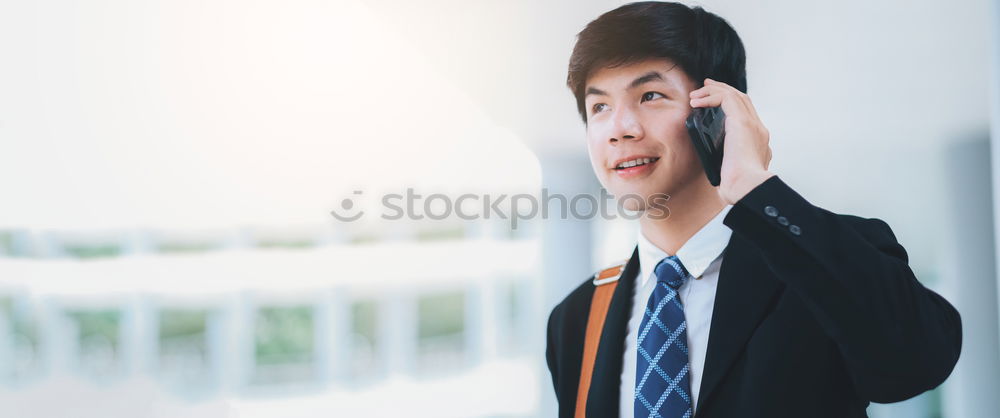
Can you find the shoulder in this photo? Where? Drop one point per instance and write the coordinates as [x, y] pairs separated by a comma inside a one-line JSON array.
[[576, 304]]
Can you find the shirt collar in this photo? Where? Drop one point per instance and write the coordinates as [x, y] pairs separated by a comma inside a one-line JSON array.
[[696, 254]]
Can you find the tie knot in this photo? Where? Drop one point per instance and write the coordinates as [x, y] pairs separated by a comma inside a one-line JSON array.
[[671, 271]]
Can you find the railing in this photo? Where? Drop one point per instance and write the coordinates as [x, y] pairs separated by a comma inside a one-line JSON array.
[[249, 320]]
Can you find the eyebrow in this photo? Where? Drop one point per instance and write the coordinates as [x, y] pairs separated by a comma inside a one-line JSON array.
[[645, 78]]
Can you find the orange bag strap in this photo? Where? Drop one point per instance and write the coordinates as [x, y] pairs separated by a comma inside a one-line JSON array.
[[606, 281]]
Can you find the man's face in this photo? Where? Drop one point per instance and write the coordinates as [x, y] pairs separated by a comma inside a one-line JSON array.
[[637, 112]]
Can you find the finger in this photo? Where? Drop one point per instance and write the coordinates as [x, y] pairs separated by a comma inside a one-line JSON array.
[[712, 93], [700, 92], [707, 101], [742, 97], [718, 88], [708, 85], [731, 105]]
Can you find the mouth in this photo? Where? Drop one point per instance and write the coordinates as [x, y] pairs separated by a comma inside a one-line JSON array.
[[635, 162], [635, 166]]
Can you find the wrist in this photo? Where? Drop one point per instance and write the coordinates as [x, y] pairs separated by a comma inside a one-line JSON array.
[[745, 183]]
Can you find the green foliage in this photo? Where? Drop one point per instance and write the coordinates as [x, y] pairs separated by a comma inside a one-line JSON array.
[[364, 320], [20, 326], [284, 335], [99, 323], [176, 323], [364, 238], [441, 314], [93, 250], [6, 242], [441, 233]]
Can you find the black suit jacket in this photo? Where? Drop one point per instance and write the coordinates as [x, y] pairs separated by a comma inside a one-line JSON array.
[[815, 320]]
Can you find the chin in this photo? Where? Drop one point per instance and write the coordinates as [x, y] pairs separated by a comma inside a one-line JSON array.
[[633, 205], [639, 199]]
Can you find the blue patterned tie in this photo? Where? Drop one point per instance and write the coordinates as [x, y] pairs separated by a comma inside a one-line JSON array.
[[662, 381]]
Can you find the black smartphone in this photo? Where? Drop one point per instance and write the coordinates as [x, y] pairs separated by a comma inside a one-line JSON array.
[[707, 129]]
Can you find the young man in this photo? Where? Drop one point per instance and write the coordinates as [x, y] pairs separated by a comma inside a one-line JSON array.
[[747, 300]]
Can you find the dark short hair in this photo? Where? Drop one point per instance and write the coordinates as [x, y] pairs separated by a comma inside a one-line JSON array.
[[699, 42]]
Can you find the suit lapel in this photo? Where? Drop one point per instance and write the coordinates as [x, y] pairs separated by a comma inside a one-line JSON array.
[[745, 293], [605, 384]]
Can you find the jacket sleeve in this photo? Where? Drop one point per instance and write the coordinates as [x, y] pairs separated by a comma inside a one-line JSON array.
[[898, 338]]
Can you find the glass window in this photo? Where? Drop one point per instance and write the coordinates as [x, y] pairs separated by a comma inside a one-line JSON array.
[[364, 341], [441, 332], [284, 344], [183, 346], [98, 339]]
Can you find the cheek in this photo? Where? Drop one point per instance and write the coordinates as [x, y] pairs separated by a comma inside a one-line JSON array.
[[596, 149], [671, 122], [597, 158], [675, 131], [595, 132]]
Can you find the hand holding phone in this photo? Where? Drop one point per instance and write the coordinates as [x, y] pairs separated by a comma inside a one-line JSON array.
[[707, 129]]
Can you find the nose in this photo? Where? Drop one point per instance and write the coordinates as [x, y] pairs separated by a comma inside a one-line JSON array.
[[624, 125]]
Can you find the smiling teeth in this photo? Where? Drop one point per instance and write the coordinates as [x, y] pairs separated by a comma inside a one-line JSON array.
[[635, 162]]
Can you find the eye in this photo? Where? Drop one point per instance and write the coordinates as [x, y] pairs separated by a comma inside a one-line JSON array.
[[650, 95], [597, 107]]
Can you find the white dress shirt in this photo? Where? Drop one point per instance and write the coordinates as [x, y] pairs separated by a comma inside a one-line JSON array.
[[701, 255]]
